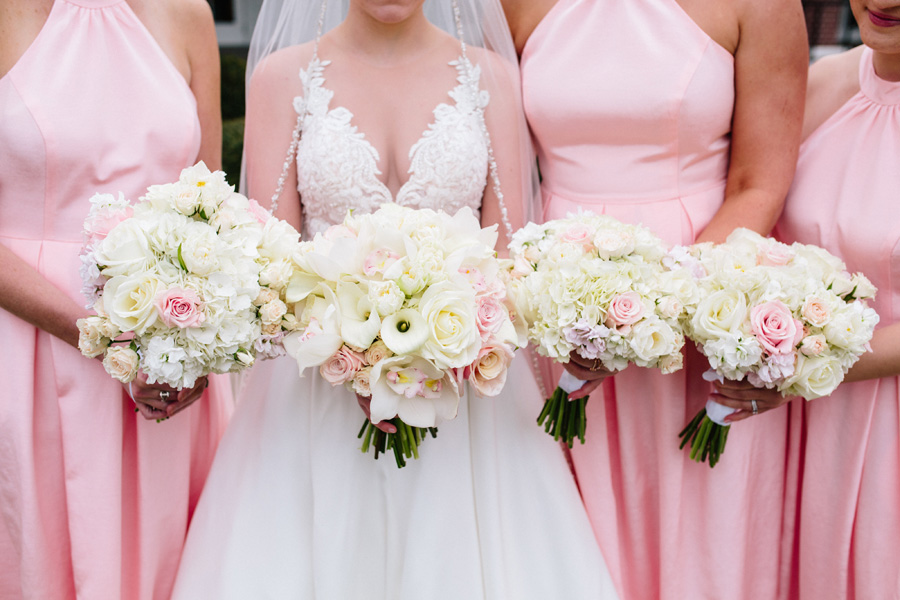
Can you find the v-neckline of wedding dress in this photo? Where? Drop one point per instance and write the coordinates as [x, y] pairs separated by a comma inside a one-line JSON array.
[[338, 166]]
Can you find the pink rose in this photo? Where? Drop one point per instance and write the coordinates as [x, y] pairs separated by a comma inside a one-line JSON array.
[[775, 327], [261, 214], [490, 317], [179, 308], [342, 366], [487, 373], [816, 311], [814, 345], [625, 309], [774, 254], [577, 233]]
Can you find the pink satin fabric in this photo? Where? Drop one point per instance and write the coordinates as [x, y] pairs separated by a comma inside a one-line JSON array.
[[845, 199], [94, 500], [630, 106]]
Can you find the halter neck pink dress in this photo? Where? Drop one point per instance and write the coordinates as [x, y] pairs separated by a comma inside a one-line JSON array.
[[630, 105], [845, 198], [94, 499]]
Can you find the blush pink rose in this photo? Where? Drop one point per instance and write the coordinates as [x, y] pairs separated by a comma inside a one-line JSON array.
[[342, 366], [179, 308], [775, 327], [774, 254], [260, 213], [487, 373], [625, 309], [816, 311], [577, 233], [490, 316]]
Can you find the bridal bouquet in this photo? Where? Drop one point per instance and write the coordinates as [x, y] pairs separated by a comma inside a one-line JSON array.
[[592, 285], [188, 281], [399, 306], [782, 317]]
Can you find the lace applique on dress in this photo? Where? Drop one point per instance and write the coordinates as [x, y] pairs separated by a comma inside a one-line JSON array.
[[337, 168]]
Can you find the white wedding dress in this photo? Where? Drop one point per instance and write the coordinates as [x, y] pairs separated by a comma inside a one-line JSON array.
[[293, 509]]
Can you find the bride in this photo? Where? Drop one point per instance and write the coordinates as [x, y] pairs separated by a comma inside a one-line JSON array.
[[385, 105]]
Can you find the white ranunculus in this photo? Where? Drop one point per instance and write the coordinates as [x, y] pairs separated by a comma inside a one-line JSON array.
[[851, 326], [277, 274], [91, 340], [129, 301], [386, 296], [199, 250], [453, 339]]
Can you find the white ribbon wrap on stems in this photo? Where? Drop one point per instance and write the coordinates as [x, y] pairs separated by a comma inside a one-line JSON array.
[[569, 383], [717, 412]]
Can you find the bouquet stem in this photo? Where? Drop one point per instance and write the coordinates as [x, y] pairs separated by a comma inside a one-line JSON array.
[[404, 443], [564, 418], [707, 438]]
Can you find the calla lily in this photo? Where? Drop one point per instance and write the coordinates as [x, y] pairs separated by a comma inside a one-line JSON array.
[[360, 322], [404, 332], [300, 286], [414, 390]]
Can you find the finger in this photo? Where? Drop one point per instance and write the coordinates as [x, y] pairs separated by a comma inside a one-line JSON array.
[[742, 394], [586, 389], [386, 427], [585, 374], [176, 407], [738, 416], [150, 413], [155, 403], [735, 385], [580, 360]]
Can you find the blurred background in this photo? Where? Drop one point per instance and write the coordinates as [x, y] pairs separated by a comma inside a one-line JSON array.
[[829, 24]]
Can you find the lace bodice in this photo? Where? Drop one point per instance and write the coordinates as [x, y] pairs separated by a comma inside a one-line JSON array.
[[337, 167]]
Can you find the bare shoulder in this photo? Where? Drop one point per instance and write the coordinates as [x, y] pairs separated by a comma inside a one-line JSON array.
[[279, 73], [833, 80], [20, 23], [499, 74], [190, 14]]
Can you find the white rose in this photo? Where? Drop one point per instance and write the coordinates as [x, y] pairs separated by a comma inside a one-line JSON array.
[[186, 200], [122, 363], [386, 297], [91, 340], [653, 338], [669, 307], [815, 376], [362, 382], [453, 339], [265, 296], [124, 251], [272, 312], [720, 313], [614, 242], [813, 345], [129, 301]]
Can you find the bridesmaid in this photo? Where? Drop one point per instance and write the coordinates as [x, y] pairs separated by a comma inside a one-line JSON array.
[[682, 115], [845, 199], [95, 95]]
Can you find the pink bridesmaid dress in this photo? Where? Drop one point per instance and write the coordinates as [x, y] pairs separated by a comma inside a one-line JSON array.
[[94, 499], [845, 198], [630, 105]]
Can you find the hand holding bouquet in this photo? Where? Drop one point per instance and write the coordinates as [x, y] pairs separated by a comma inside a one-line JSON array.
[[594, 286], [188, 281], [400, 306], [781, 317]]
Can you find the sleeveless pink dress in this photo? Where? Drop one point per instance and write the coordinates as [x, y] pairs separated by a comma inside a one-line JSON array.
[[94, 499], [630, 105], [845, 198]]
